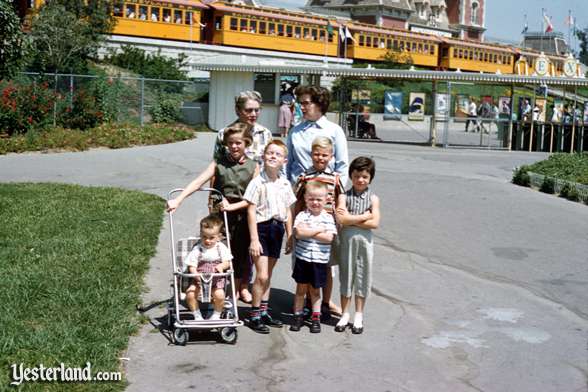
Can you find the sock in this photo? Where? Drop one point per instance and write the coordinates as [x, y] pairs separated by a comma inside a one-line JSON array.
[[358, 320], [344, 320], [263, 307], [254, 313], [215, 315], [316, 316]]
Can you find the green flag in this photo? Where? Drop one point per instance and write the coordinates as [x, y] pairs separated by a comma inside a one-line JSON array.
[[329, 28]]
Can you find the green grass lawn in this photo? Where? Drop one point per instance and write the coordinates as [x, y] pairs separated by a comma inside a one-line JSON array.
[[72, 261]]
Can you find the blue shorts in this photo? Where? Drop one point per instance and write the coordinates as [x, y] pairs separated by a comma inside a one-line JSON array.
[[307, 272], [271, 234]]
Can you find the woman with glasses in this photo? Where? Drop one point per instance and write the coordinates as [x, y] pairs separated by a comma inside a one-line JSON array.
[[247, 108]]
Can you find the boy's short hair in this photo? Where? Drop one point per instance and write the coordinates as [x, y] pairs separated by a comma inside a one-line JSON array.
[[278, 143], [315, 185], [239, 127], [361, 164], [212, 221], [322, 142]]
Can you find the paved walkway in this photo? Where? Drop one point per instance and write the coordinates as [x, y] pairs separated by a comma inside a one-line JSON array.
[[479, 285]]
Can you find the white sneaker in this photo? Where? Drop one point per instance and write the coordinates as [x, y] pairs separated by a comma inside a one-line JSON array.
[[215, 316], [198, 316]]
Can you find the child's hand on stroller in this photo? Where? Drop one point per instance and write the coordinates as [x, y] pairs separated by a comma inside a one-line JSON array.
[[255, 248], [225, 205], [172, 205]]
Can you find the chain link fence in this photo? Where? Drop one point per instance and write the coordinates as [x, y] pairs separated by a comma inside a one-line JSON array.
[[124, 98]]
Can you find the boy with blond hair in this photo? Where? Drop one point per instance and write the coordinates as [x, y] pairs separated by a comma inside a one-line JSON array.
[[321, 154], [269, 216]]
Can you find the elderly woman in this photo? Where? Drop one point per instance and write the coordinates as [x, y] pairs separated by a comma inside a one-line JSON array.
[[314, 102], [247, 108]]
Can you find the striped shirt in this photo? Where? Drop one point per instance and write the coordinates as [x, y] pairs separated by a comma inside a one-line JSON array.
[[358, 203], [310, 249], [261, 137], [332, 180], [272, 199]]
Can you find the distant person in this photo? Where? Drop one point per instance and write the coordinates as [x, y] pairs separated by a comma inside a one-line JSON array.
[[526, 111], [472, 116], [285, 116]]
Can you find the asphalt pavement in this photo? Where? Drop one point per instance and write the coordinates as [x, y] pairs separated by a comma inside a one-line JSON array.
[[479, 285]]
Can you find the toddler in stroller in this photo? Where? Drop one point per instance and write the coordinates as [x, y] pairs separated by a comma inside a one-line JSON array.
[[209, 256]]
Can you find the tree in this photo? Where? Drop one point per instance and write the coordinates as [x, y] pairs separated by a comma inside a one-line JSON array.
[[13, 43], [66, 33], [583, 38]]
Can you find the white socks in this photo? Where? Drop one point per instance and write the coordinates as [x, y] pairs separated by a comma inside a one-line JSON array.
[[198, 315], [358, 320], [215, 316], [344, 320]]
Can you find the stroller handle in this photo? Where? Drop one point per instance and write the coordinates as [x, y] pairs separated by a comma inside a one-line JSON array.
[[180, 190]]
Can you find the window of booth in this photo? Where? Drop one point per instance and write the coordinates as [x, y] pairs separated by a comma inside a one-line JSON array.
[[265, 85]]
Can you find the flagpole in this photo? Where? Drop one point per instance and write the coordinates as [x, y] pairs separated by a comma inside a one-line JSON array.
[[542, 27], [569, 30]]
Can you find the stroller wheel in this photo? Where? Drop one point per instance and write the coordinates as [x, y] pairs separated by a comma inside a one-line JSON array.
[[180, 336], [228, 335]]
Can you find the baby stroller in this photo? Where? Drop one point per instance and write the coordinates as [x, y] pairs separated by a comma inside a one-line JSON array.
[[179, 317]]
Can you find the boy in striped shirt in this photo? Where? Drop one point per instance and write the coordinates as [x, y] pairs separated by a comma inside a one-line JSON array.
[[314, 230], [321, 154]]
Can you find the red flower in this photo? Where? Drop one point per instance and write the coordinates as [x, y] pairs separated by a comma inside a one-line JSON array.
[[30, 119]]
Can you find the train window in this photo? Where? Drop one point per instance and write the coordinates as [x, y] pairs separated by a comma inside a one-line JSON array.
[[117, 9], [306, 33], [178, 17], [495, 58], [166, 15], [297, 32], [361, 40], [289, 31], [368, 41], [376, 42], [395, 44], [426, 48], [234, 24], [253, 26], [155, 14], [143, 12], [314, 34], [218, 23], [262, 29], [414, 46], [401, 46], [243, 25], [271, 28], [330, 37], [470, 54], [445, 52], [190, 16], [460, 53], [280, 29], [389, 44], [486, 59], [131, 11], [322, 35], [432, 49]]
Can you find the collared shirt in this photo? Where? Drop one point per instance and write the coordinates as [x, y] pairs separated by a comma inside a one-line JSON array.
[[299, 145], [310, 249], [261, 137], [272, 199], [332, 180], [358, 203]]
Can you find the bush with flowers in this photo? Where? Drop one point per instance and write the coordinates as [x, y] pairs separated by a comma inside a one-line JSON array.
[[24, 107]]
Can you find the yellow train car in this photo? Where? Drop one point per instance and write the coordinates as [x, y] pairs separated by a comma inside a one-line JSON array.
[[373, 43], [476, 57], [273, 29], [170, 19]]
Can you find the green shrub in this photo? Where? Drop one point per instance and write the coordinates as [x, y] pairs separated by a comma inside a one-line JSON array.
[[569, 192], [570, 167], [166, 109], [548, 185], [521, 176]]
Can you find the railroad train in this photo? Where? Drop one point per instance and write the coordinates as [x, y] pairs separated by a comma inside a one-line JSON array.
[[227, 24]]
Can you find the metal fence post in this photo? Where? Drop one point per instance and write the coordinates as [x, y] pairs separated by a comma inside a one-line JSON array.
[[142, 111], [447, 117]]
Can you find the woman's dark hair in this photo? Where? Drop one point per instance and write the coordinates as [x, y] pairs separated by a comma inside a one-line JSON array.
[[318, 95], [363, 163]]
